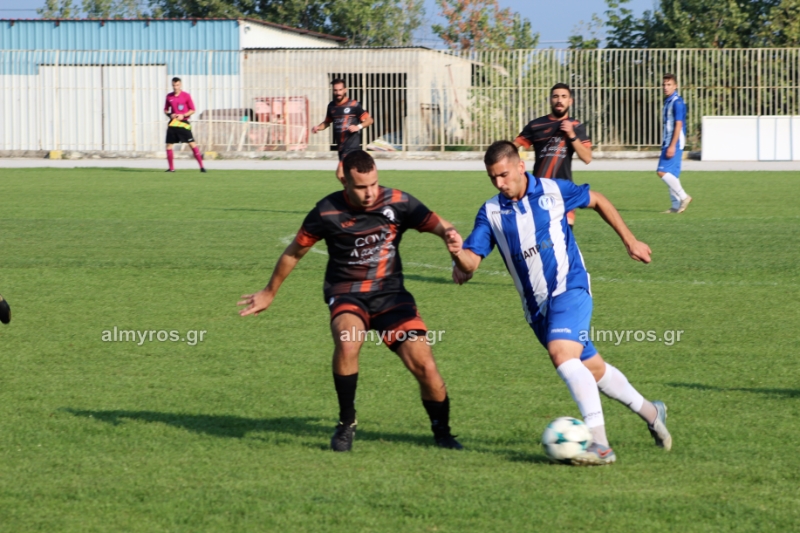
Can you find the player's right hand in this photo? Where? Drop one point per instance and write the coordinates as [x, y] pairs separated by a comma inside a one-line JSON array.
[[639, 251], [315, 129], [256, 303]]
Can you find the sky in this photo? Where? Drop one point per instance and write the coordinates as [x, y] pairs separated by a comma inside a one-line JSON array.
[[555, 21]]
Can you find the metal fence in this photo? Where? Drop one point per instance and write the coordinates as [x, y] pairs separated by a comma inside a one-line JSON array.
[[421, 99]]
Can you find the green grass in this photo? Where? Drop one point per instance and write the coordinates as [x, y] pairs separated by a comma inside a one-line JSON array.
[[232, 434]]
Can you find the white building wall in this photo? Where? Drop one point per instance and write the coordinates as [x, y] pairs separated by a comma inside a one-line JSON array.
[[255, 35]]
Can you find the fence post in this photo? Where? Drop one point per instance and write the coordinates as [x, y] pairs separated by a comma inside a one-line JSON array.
[[520, 119], [210, 101], [57, 107], [599, 110], [133, 97]]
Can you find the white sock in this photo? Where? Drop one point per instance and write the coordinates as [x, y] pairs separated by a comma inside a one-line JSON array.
[[583, 387], [615, 385], [674, 185], [676, 202]]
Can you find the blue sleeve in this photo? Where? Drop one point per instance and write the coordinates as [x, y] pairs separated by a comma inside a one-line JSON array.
[[575, 196], [680, 111], [481, 241]]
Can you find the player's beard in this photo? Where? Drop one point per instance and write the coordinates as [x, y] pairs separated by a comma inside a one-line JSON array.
[[559, 113]]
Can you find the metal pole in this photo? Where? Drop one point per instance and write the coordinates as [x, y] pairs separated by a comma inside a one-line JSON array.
[[599, 110], [210, 100], [133, 98]]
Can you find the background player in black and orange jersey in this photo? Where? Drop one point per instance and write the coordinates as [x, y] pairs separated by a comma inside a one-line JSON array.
[[555, 138], [348, 118], [362, 227]]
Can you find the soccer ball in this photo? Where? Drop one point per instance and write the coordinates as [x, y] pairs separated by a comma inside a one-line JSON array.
[[564, 438]]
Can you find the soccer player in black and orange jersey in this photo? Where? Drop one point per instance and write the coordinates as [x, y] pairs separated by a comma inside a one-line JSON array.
[[348, 118], [362, 227], [555, 138]]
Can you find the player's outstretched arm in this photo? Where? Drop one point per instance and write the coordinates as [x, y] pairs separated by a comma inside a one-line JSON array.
[[638, 250], [261, 300]]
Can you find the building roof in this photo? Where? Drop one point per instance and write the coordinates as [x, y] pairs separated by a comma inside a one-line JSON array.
[[194, 22]]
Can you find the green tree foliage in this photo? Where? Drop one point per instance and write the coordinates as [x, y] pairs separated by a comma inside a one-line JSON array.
[[482, 24], [98, 9], [362, 22], [705, 24]]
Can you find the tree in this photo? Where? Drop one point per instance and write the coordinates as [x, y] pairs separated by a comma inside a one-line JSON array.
[[376, 23], [362, 22], [579, 41], [704, 24], [96, 9], [482, 24]]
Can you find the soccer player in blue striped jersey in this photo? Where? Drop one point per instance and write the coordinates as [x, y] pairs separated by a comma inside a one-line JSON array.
[[672, 144], [527, 223]]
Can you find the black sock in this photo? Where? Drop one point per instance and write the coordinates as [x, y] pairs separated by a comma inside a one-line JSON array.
[[439, 413], [346, 391]]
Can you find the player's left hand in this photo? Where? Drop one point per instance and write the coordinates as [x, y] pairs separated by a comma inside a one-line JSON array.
[[670, 152], [568, 128], [460, 277], [179, 117], [639, 251], [352, 128]]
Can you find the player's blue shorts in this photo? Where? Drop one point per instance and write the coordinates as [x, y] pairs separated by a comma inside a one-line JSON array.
[[671, 165], [568, 317]]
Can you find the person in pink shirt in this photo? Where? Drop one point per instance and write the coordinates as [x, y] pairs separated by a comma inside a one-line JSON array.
[[179, 107]]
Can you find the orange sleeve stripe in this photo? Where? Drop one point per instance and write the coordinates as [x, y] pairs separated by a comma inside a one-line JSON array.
[[523, 141], [366, 285], [397, 195], [305, 239], [364, 116], [430, 222]]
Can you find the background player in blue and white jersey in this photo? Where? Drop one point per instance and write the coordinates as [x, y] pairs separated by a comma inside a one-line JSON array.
[[527, 223], [669, 165]]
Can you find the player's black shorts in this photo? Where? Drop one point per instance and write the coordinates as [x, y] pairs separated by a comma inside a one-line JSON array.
[[179, 135], [394, 314]]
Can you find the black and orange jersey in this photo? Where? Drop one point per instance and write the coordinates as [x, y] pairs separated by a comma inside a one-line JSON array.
[[342, 116], [553, 151], [363, 243]]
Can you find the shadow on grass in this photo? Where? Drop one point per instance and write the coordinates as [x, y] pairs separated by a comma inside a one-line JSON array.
[[787, 393], [429, 279], [237, 427]]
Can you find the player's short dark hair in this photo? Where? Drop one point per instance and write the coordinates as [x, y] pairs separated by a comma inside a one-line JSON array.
[[669, 76], [337, 81], [561, 86], [175, 79], [500, 150], [359, 160]]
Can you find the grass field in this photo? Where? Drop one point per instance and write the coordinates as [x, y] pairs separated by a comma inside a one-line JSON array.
[[232, 434]]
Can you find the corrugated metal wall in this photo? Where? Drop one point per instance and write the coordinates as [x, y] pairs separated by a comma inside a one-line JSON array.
[[119, 35]]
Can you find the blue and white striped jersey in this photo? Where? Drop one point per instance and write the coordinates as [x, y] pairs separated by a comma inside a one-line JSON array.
[[674, 110], [535, 241]]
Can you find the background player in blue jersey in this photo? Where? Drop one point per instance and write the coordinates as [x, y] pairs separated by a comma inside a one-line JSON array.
[[669, 165], [348, 118], [527, 223]]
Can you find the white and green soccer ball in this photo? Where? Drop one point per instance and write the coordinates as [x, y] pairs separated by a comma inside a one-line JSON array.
[[564, 438]]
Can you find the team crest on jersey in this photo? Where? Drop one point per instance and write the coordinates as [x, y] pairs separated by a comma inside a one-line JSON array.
[[349, 223], [547, 202], [346, 109], [180, 107], [389, 213]]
